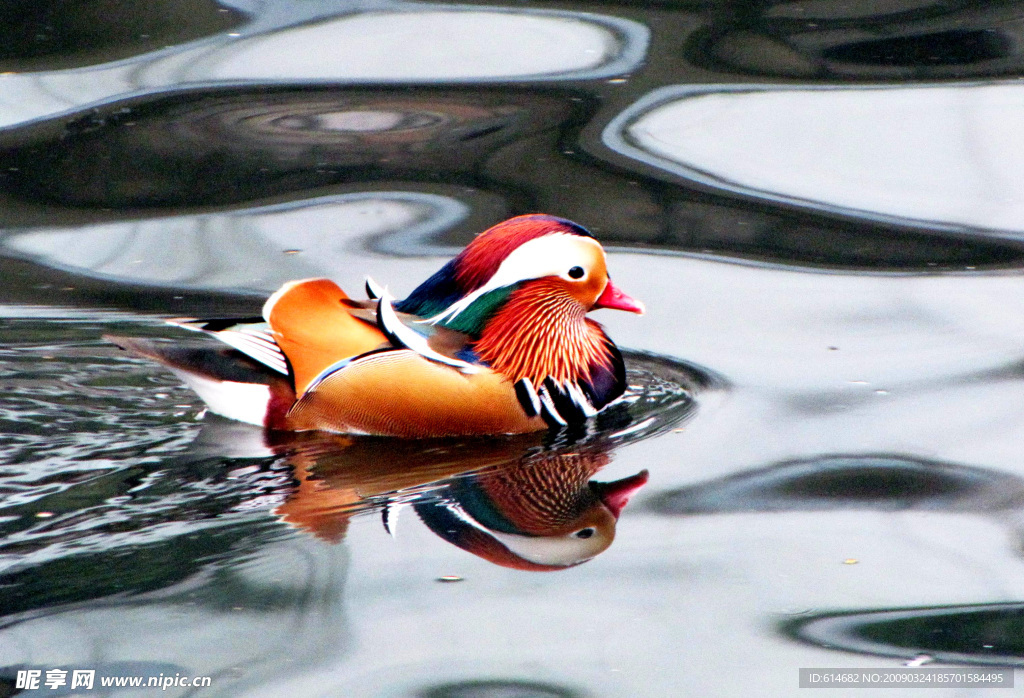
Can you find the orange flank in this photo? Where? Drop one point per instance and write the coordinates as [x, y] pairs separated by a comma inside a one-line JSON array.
[[400, 393]]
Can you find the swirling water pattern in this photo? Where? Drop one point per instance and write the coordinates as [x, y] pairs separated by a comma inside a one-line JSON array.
[[818, 201]]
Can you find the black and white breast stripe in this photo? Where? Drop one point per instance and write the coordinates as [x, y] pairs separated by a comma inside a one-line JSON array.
[[559, 404]]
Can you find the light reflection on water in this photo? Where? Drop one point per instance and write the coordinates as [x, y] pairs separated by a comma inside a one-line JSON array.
[[946, 157], [841, 252], [392, 42], [257, 249]]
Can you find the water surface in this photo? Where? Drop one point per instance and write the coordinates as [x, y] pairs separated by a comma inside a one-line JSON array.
[[817, 201]]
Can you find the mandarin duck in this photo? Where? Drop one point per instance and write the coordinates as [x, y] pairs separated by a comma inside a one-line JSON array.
[[500, 499], [337, 476], [496, 342], [542, 515]]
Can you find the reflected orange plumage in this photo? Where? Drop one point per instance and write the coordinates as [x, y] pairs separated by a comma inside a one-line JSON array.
[[520, 507]]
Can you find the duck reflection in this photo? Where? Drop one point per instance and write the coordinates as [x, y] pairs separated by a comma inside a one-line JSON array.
[[517, 503], [539, 516]]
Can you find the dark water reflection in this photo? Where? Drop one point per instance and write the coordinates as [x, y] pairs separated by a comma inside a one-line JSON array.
[[819, 202], [982, 634], [849, 482], [226, 147], [825, 41], [54, 35], [970, 634], [487, 153]]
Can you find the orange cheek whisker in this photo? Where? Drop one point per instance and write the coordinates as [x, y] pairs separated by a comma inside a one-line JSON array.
[[542, 332]]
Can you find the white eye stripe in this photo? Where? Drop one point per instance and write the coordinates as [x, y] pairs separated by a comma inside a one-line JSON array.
[[551, 255], [540, 550], [552, 550]]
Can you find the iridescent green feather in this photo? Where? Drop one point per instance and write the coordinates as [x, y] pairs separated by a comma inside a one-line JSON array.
[[472, 320]]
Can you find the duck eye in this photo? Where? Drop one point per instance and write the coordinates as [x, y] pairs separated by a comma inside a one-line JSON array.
[[576, 273], [586, 532]]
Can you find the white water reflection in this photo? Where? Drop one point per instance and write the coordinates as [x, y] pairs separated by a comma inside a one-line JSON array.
[[390, 42], [950, 157], [429, 45], [255, 249]]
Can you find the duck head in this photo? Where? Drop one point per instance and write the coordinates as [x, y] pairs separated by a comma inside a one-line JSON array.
[[551, 256], [521, 292], [541, 516]]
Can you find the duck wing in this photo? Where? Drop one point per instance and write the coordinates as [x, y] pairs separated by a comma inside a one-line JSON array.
[[316, 325], [437, 344], [252, 336]]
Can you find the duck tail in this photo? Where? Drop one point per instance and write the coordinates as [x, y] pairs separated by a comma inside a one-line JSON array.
[[230, 383]]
